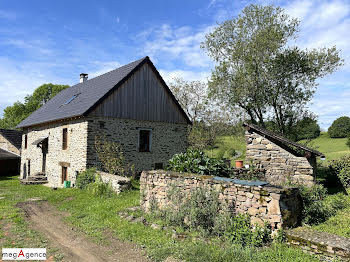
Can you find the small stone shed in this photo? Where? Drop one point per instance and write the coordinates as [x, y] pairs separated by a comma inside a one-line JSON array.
[[10, 151], [283, 160]]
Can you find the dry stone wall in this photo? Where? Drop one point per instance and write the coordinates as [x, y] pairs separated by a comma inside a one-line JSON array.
[[279, 207], [7, 145], [281, 166]]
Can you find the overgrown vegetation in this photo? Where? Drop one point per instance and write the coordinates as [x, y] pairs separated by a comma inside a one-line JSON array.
[[201, 210], [341, 168], [318, 206], [112, 158], [196, 161], [85, 178]]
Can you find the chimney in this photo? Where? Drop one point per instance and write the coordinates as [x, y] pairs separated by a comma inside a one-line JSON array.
[[83, 77]]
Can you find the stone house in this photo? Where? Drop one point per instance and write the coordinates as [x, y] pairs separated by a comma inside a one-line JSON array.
[[283, 160], [10, 151], [131, 105]]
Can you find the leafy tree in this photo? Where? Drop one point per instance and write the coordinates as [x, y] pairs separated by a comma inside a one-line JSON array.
[[16, 113], [307, 128], [340, 127], [258, 72]]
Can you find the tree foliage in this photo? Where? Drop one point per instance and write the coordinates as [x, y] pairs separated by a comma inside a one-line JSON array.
[[19, 111], [258, 71], [340, 127]]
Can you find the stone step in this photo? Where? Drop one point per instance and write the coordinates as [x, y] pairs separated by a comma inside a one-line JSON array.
[[40, 174], [37, 178], [27, 182]]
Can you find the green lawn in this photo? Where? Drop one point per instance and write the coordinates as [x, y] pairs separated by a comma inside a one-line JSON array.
[[225, 143], [94, 215], [333, 148]]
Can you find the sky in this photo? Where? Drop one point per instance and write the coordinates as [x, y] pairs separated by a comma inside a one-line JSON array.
[[54, 41]]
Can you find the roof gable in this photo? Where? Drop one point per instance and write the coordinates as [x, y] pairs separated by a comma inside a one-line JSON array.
[[13, 136], [144, 96], [87, 96], [281, 139]]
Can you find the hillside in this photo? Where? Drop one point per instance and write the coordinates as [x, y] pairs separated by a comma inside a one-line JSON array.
[[333, 148]]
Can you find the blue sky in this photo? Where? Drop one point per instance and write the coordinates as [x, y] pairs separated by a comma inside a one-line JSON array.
[[55, 41]]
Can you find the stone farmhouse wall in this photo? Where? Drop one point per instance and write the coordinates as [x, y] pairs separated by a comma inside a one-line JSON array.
[[7, 145], [281, 166], [280, 207], [167, 140], [74, 157]]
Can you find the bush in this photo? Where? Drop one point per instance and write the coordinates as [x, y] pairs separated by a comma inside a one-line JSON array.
[[100, 188], [202, 211], [195, 161], [341, 168], [85, 178], [112, 158], [340, 127], [231, 152], [317, 206]]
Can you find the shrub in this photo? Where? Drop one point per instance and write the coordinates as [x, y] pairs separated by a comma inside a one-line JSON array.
[[195, 161], [85, 178], [340, 127], [231, 152], [221, 153], [100, 188], [202, 211], [341, 168], [317, 206], [112, 158]]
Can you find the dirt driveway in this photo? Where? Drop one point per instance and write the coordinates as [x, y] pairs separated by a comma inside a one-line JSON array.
[[75, 245]]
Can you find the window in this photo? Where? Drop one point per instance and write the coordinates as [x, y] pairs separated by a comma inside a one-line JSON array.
[[65, 139], [64, 174], [71, 99], [28, 167], [145, 140], [25, 141]]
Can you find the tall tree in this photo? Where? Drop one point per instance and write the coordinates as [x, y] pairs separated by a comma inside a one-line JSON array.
[[258, 71], [16, 113]]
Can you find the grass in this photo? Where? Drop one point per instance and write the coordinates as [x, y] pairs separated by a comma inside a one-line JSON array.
[[339, 223], [225, 143], [333, 148], [94, 215]]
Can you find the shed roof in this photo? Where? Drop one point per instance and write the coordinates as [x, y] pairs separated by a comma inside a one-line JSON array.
[[82, 98], [13, 136], [281, 139]]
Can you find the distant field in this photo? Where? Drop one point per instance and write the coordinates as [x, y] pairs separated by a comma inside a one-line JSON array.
[[333, 148], [225, 144]]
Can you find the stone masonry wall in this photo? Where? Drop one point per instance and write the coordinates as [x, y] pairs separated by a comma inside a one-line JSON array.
[[279, 207], [5, 144], [74, 156], [118, 183], [167, 140], [281, 166]]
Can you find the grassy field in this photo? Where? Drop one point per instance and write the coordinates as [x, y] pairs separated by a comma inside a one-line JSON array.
[[224, 144], [333, 148], [94, 216]]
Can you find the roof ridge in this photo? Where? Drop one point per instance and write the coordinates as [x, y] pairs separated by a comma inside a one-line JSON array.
[[140, 61]]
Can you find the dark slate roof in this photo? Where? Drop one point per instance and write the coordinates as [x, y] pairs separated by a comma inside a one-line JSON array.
[[88, 95], [281, 139], [13, 136]]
